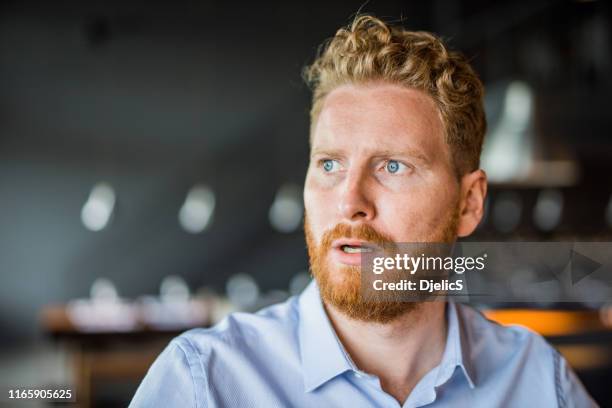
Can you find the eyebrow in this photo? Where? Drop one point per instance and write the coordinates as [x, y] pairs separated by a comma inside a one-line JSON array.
[[414, 153]]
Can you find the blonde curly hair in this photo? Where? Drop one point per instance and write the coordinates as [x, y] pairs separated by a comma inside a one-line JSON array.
[[371, 50]]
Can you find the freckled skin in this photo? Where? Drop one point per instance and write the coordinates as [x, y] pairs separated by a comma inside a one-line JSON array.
[[364, 126]]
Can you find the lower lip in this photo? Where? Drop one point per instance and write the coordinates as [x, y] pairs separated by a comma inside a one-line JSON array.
[[345, 258]]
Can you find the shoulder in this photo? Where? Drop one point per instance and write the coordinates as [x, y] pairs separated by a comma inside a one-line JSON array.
[[181, 374], [519, 356], [489, 337], [492, 347]]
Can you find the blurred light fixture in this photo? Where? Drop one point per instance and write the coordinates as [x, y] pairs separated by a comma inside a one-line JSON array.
[[507, 209], [287, 209], [509, 149], [512, 153], [103, 311], [174, 289], [242, 291], [174, 309], [98, 209], [196, 213], [103, 290], [548, 209]]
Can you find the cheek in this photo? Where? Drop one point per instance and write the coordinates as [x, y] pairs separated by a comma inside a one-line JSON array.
[[410, 217], [320, 211]]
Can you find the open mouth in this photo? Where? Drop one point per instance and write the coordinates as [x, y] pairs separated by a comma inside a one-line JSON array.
[[353, 246], [349, 251], [355, 249]]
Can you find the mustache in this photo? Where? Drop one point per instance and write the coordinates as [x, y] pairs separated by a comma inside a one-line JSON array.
[[362, 232]]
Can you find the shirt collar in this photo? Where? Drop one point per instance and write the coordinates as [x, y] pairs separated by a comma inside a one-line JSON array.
[[457, 350], [323, 356]]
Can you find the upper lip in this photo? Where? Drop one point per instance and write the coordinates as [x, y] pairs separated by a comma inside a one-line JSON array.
[[339, 243]]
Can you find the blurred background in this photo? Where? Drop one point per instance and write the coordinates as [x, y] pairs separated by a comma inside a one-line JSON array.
[[152, 157]]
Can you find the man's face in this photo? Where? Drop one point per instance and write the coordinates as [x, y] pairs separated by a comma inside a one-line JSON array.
[[380, 171]]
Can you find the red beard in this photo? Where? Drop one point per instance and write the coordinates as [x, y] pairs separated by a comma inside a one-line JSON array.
[[340, 286]]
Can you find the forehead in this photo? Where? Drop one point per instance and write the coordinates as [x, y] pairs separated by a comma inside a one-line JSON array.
[[377, 115]]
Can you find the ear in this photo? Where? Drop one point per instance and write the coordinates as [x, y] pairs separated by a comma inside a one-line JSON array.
[[471, 206]]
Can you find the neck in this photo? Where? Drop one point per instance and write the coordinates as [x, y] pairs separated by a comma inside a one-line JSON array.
[[399, 353]]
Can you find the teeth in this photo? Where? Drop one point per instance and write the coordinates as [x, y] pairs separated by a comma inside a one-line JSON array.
[[355, 250]]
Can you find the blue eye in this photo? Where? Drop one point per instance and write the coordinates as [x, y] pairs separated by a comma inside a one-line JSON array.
[[328, 165], [393, 166]]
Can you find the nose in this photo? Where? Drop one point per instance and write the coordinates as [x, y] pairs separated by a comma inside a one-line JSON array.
[[355, 203]]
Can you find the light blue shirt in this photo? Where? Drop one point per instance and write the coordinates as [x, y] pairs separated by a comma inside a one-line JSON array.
[[288, 355]]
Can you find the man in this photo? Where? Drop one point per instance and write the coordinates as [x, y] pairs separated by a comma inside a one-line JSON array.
[[397, 126]]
